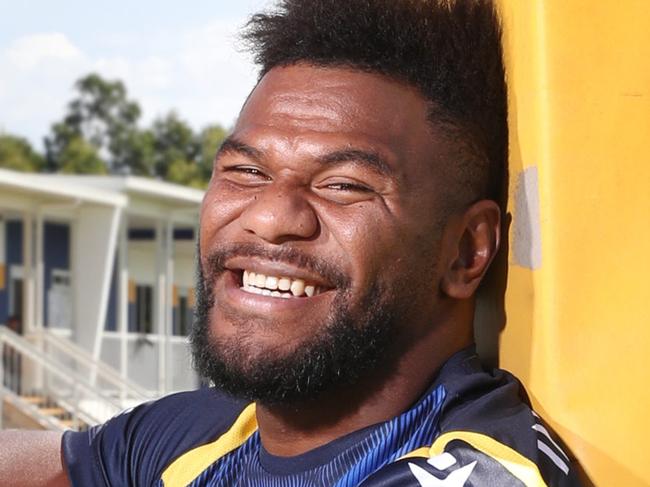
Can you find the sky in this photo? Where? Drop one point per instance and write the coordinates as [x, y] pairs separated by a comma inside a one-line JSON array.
[[171, 55]]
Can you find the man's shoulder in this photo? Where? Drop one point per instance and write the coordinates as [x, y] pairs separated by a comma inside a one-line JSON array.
[[188, 413], [488, 435], [153, 434], [491, 402]]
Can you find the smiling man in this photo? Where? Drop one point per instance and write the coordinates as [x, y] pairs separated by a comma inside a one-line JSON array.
[[350, 218]]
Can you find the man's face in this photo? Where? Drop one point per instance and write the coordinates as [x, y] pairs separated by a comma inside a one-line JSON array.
[[320, 234]]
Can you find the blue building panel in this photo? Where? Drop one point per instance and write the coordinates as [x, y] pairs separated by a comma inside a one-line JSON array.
[[141, 234], [111, 311], [13, 257], [133, 325], [4, 296], [183, 234], [56, 255], [14, 229]]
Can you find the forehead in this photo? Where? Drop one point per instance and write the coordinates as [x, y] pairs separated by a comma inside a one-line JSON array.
[[300, 104]]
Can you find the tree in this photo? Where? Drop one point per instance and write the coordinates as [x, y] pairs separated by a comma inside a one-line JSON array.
[[187, 173], [210, 140], [80, 157], [103, 116], [173, 141], [181, 157], [56, 143], [136, 153], [100, 127], [16, 153]]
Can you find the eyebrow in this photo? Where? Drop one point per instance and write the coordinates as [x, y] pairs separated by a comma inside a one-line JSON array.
[[365, 158], [370, 159], [232, 145]]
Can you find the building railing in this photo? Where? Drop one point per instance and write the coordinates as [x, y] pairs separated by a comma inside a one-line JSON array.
[[53, 394], [101, 375]]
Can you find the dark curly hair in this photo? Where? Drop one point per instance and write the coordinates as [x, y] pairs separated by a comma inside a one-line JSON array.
[[450, 50]]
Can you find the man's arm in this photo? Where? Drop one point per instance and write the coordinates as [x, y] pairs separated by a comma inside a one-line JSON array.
[[31, 458]]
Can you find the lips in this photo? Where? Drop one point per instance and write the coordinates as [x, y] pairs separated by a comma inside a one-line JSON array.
[[253, 278]]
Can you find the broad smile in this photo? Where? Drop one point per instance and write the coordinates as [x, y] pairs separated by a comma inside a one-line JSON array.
[[266, 286], [277, 286]]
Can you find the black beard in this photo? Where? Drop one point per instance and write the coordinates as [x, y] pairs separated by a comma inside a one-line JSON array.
[[343, 348]]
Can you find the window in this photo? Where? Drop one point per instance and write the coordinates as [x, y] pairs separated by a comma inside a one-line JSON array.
[[143, 309], [182, 313]]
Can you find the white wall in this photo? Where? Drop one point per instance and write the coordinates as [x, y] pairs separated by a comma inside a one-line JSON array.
[[142, 262], [94, 242], [184, 272]]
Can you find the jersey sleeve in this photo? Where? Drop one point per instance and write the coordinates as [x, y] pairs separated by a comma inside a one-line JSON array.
[[466, 459], [134, 447], [488, 436], [492, 423]]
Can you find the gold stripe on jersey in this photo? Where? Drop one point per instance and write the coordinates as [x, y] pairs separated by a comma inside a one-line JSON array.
[[189, 465], [513, 461]]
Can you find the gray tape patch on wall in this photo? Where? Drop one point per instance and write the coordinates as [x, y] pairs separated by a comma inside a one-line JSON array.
[[526, 242]]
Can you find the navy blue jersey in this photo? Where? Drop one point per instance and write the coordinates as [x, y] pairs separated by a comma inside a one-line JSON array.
[[471, 428]]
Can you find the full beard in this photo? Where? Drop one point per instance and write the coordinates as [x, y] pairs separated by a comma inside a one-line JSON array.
[[345, 345]]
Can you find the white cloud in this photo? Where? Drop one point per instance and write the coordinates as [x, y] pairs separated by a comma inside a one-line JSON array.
[[37, 73], [29, 51], [201, 75], [196, 72]]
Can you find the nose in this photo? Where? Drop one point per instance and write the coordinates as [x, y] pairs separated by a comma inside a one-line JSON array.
[[279, 214]]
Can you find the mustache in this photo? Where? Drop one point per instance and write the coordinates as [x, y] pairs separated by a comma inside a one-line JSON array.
[[219, 255]]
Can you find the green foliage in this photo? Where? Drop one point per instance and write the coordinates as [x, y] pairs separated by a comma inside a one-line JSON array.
[[187, 173], [103, 116], [181, 156], [99, 133], [173, 141], [80, 157], [56, 144], [135, 153], [16, 153], [210, 140]]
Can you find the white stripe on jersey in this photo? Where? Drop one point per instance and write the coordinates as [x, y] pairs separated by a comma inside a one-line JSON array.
[[544, 431], [543, 447]]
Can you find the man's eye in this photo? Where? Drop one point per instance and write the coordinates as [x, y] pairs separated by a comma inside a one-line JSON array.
[[246, 171], [349, 187]]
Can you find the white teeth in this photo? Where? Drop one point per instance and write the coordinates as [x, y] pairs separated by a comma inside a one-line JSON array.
[[271, 283], [297, 287], [260, 280], [252, 289], [273, 286]]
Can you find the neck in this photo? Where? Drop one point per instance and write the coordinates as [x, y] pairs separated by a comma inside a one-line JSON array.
[[288, 430]]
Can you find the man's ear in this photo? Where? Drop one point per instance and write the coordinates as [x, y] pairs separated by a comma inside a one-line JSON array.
[[473, 241]]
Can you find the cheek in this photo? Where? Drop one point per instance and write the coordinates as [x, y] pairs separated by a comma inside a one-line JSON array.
[[369, 240], [392, 249], [221, 206]]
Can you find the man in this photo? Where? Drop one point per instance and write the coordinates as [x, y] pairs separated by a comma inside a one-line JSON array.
[[350, 218]]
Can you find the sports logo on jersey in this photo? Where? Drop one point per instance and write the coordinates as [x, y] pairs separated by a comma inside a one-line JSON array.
[[464, 459], [455, 478]]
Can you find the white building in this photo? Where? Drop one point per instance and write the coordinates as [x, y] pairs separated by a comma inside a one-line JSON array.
[[106, 262]]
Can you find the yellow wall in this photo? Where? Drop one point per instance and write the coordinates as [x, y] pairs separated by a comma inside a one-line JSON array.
[[578, 319]]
